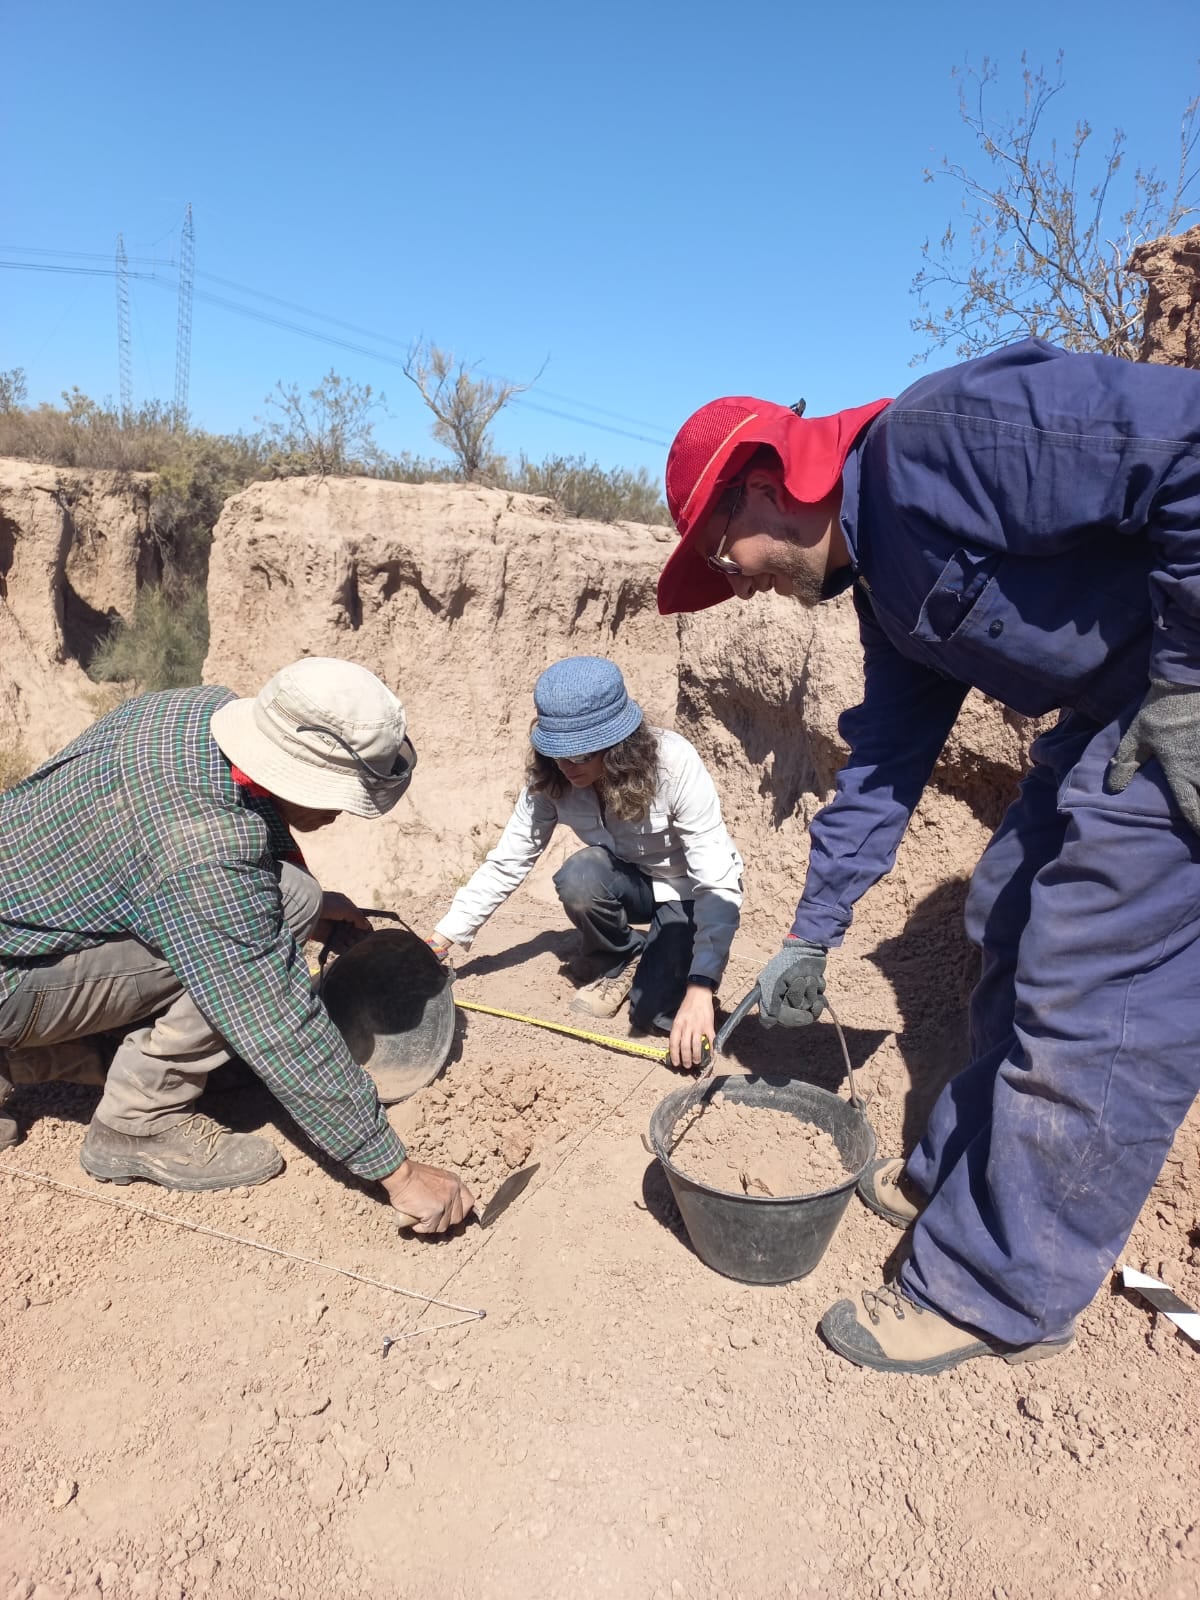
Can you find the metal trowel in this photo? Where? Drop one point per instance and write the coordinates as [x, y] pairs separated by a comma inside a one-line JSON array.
[[511, 1189]]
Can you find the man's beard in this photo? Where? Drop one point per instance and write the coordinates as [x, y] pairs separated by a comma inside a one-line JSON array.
[[798, 565]]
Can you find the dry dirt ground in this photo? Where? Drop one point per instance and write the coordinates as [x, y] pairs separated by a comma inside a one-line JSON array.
[[189, 1417]]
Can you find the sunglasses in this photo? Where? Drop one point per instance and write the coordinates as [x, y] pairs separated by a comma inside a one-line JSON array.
[[397, 780], [581, 761], [718, 561]]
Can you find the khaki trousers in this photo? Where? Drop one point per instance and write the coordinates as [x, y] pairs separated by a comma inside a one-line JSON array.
[[48, 1026]]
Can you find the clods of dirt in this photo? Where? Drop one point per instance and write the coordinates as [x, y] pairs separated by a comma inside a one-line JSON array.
[[757, 1150]]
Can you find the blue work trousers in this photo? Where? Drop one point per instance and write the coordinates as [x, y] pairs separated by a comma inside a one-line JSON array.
[[604, 897], [1084, 1050]]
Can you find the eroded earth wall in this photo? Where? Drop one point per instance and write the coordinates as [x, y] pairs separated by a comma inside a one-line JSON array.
[[74, 548], [1171, 268], [458, 597]]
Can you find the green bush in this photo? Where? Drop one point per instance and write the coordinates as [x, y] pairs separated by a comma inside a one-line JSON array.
[[162, 646]]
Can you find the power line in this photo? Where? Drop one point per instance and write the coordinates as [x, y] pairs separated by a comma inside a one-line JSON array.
[[85, 255], [323, 338], [370, 333]]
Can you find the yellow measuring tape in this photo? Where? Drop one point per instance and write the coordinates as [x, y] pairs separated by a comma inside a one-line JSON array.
[[629, 1046]]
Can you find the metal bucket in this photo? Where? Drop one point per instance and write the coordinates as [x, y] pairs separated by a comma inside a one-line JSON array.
[[761, 1238], [392, 1001]]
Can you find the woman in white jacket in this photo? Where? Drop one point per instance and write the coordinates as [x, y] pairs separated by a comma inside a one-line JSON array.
[[657, 856]]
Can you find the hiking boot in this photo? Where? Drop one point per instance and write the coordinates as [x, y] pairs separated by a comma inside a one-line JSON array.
[[10, 1133], [195, 1154], [891, 1195], [584, 966], [886, 1331], [606, 996]]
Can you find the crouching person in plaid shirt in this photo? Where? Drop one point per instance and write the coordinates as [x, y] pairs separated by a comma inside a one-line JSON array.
[[149, 881]]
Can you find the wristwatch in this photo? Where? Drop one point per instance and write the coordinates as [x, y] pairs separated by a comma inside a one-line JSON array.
[[704, 981]]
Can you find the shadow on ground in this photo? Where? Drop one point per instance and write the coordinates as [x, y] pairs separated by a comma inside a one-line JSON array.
[[551, 941], [932, 967]]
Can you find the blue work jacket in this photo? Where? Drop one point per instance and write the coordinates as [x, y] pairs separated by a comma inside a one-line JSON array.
[[1027, 524]]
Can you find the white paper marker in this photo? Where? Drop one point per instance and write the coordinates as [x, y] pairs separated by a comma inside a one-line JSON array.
[[1156, 1294]]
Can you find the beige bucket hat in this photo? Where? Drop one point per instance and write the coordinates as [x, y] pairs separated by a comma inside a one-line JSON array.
[[322, 733]]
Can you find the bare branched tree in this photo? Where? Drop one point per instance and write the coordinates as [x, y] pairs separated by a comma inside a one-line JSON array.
[[464, 406], [1039, 253], [328, 432]]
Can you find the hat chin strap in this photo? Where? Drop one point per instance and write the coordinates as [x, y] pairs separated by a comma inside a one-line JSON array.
[[402, 770]]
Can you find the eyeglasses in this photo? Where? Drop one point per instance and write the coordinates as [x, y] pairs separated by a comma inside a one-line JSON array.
[[581, 761], [397, 780], [718, 561]]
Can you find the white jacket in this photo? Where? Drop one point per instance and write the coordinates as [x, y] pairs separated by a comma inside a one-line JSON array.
[[682, 845]]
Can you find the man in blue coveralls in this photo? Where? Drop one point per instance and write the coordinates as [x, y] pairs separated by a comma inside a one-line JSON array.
[[1028, 524]]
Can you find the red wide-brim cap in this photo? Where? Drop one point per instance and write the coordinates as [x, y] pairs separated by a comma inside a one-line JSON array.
[[709, 451]]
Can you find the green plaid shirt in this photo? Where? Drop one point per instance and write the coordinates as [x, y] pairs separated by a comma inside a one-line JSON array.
[[137, 828]]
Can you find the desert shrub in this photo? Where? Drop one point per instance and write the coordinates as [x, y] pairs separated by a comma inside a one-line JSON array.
[[407, 468], [162, 646], [582, 488], [88, 434], [464, 406], [191, 488], [328, 430]]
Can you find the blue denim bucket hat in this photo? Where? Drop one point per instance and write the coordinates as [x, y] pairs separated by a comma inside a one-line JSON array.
[[583, 706]]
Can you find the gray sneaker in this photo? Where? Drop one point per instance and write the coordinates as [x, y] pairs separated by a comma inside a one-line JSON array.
[[195, 1154], [10, 1133]]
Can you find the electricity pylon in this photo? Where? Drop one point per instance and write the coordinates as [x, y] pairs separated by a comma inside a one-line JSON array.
[[183, 328], [124, 357]]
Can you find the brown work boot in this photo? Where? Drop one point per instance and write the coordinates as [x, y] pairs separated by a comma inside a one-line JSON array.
[[891, 1195], [886, 1331], [195, 1154], [10, 1133], [606, 996]]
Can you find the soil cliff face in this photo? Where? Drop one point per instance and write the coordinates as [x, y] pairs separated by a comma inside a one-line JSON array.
[[457, 597], [1171, 268], [761, 689], [74, 549]]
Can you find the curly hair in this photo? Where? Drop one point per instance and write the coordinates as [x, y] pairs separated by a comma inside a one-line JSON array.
[[629, 781]]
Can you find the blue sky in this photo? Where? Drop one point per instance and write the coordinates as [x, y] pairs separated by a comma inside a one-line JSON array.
[[664, 202]]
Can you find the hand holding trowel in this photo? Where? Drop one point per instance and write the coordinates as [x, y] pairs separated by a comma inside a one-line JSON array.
[[512, 1187]]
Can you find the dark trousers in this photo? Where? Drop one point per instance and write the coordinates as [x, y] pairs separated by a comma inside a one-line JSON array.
[[604, 897], [1041, 1153]]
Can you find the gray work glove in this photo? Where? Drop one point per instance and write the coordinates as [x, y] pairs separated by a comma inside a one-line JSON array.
[[1166, 728], [791, 987]]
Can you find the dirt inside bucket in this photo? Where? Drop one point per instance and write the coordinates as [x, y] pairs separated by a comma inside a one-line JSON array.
[[756, 1150]]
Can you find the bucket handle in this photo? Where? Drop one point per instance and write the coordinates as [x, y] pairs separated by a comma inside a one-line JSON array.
[[747, 1004], [367, 911]]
